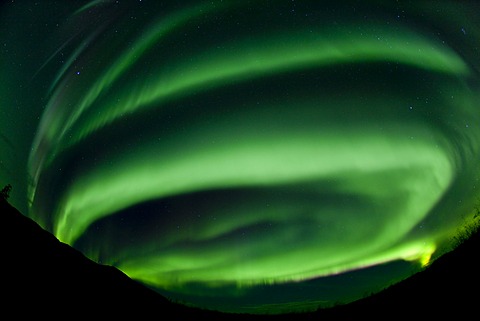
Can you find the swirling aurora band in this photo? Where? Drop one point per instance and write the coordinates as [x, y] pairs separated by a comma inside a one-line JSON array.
[[231, 145]]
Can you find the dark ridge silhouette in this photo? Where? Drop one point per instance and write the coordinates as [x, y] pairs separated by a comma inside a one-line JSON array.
[[43, 277]]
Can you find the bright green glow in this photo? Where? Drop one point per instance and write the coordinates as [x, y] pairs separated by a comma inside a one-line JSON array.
[[223, 147], [385, 165], [258, 161], [212, 270], [259, 57]]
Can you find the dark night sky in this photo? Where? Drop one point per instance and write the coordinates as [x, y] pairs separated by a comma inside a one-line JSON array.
[[247, 156]]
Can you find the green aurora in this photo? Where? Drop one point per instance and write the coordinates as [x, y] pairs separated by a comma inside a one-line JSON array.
[[251, 156]]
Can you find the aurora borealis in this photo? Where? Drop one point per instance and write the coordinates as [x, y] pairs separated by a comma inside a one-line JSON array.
[[245, 156]]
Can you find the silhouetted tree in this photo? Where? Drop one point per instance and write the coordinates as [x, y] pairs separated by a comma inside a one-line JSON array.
[[469, 229], [5, 192]]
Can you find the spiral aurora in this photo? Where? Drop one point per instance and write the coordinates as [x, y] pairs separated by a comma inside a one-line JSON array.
[[224, 151]]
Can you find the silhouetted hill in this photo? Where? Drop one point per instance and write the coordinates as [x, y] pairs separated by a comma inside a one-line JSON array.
[[44, 277], [447, 288]]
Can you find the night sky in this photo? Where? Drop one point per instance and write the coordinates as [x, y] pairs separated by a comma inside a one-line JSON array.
[[246, 156]]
